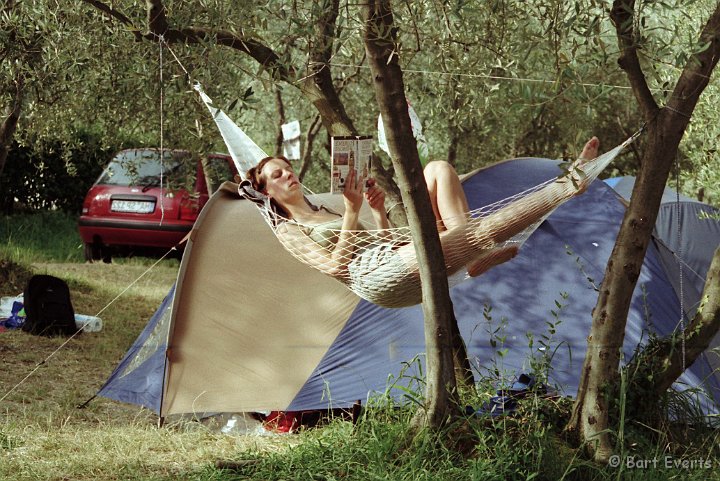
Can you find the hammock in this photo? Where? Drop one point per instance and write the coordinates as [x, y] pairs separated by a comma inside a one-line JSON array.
[[380, 265]]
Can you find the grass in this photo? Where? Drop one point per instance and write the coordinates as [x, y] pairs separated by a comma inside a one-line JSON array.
[[39, 237], [44, 436]]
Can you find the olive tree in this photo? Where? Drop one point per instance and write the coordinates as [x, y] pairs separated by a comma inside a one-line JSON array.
[[667, 121]]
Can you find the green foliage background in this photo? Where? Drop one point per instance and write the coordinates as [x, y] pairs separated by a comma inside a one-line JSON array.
[[494, 80]]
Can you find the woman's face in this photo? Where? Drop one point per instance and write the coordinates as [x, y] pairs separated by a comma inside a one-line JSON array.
[[281, 183]]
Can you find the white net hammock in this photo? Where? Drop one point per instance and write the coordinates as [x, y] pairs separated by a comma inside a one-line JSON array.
[[380, 265]]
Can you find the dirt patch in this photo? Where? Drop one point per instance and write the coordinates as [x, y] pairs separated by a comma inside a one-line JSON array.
[[13, 278]]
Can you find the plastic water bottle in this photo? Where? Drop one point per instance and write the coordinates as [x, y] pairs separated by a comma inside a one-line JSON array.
[[91, 323]]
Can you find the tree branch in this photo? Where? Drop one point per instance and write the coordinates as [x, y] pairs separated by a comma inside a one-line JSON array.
[[696, 74], [660, 364], [699, 333], [117, 15], [623, 16], [158, 26], [307, 151], [281, 120]]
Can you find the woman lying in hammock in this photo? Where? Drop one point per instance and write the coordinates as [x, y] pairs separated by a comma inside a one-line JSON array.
[[380, 264]]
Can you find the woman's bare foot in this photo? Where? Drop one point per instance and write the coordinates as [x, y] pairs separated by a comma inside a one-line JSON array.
[[590, 151], [491, 259]]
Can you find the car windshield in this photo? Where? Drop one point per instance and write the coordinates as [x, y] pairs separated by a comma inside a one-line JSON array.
[[143, 168]]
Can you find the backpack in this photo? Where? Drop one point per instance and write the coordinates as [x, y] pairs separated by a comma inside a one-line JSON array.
[[48, 309]]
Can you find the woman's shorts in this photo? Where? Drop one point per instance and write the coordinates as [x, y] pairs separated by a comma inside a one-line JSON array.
[[380, 275]]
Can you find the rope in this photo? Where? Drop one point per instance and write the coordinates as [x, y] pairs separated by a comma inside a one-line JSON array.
[[679, 255], [162, 123], [496, 77], [439, 73], [162, 160], [44, 361]]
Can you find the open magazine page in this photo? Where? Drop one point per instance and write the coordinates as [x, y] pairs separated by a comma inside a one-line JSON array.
[[343, 156], [364, 155], [349, 153]]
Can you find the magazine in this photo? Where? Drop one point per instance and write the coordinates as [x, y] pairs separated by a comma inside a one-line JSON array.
[[349, 153]]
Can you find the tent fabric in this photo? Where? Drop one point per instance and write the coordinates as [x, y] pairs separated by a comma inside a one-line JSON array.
[[138, 378], [689, 229], [253, 329], [246, 304]]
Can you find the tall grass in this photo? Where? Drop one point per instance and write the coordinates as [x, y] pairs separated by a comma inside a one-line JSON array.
[[527, 445], [49, 236]]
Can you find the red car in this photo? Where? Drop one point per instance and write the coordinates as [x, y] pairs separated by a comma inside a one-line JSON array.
[[140, 203]]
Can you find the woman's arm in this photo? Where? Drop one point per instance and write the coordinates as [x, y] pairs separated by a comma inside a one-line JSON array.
[[375, 197], [332, 261], [300, 245]]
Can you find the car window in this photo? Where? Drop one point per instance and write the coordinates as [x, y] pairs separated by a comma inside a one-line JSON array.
[[217, 171], [143, 168]]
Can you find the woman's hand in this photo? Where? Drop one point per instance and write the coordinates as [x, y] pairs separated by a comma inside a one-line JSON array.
[[353, 192], [375, 196], [376, 200]]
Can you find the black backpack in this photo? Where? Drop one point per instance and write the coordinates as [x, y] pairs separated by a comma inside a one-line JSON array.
[[48, 309]]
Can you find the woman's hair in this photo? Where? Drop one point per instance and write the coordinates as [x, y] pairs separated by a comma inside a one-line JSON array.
[[255, 173]]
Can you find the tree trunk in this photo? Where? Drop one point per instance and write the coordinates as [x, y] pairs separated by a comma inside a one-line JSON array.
[[11, 113], [9, 125], [279, 140], [661, 363], [380, 39], [307, 150], [590, 419]]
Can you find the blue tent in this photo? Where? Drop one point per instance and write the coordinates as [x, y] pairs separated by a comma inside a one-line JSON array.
[[249, 328], [689, 229]]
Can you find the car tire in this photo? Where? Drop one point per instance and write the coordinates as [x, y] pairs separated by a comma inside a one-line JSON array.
[[91, 251], [95, 251], [105, 254]]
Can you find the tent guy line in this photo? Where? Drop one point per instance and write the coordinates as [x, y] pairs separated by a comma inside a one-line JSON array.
[[61, 346]]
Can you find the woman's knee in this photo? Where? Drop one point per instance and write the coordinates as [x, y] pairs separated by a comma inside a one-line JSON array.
[[439, 168]]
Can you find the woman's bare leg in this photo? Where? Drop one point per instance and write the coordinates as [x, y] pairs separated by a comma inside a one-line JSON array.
[[490, 259], [500, 255], [448, 199], [450, 204]]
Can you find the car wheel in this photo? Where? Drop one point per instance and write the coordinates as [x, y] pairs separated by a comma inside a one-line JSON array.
[[91, 251], [105, 254], [95, 251]]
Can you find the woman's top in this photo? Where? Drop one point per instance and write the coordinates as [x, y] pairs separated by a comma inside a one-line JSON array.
[[325, 234]]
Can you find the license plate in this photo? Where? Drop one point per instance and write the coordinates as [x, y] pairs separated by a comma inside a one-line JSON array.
[[135, 206]]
